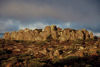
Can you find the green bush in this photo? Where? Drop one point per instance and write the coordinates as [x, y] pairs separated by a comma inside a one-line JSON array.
[[33, 63], [72, 58], [98, 52], [86, 54], [2, 52], [78, 41]]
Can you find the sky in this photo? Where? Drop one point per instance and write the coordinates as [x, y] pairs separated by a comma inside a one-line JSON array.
[[77, 14]]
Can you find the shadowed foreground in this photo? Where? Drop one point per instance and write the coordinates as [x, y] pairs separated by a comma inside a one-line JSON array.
[[80, 53]]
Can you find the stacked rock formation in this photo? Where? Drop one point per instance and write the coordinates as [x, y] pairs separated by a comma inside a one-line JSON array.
[[49, 32]]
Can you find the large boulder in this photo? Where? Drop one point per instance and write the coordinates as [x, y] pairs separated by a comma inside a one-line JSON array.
[[47, 29], [72, 35], [91, 35], [53, 28], [44, 35], [79, 35], [7, 35], [65, 35]]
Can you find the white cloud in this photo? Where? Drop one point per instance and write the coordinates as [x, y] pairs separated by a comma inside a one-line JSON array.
[[38, 25], [97, 34], [8, 25], [68, 24]]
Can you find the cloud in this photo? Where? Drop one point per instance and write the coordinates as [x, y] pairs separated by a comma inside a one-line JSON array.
[[14, 25], [25, 11], [65, 10], [8, 25], [18, 14], [37, 25], [97, 34]]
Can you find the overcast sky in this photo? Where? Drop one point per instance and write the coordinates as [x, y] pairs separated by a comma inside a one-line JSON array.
[[78, 14]]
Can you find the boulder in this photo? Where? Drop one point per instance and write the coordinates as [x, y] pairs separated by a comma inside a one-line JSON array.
[[47, 29], [44, 51], [79, 35], [54, 35], [7, 35], [53, 28], [86, 34], [91, 35], [58, 52], [45, 35]]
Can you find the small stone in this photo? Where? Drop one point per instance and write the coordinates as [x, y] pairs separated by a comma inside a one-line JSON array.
[[81, 48], [17, 50], [56, 53]]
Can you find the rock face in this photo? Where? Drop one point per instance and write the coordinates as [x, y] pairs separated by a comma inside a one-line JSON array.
[[49, 32]]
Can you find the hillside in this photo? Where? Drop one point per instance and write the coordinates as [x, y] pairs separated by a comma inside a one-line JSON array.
[[50, 47]]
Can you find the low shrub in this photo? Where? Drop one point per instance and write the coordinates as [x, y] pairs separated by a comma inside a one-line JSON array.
[[98, 52]]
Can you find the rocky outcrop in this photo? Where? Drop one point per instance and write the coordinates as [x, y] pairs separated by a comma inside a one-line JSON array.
[[49, 33]]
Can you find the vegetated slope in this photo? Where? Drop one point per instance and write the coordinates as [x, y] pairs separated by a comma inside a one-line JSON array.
[[82, 50]]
